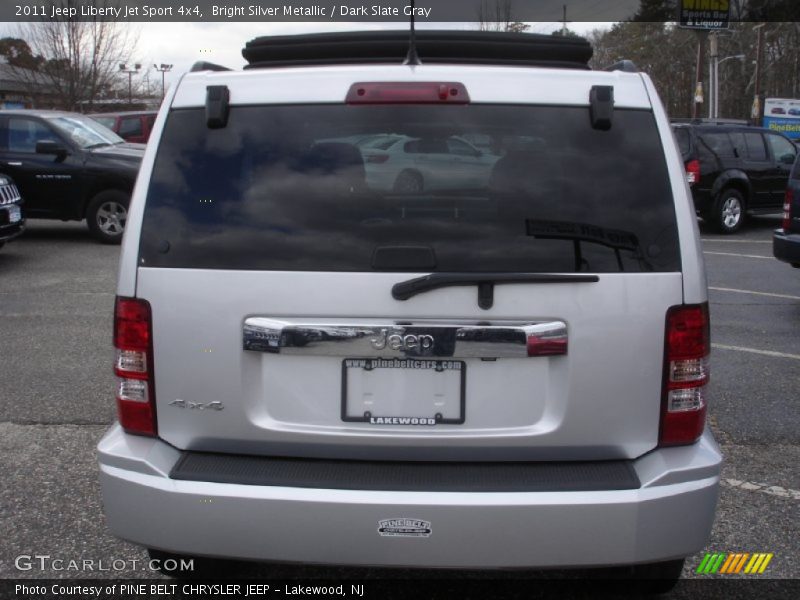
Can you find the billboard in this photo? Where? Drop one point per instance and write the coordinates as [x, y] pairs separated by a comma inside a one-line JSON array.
[[704, 14], [782, 114]]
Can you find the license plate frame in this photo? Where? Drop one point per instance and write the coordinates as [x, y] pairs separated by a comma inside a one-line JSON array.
[[405, 364], [14, 214]]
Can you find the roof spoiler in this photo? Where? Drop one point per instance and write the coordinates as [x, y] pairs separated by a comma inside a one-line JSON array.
[[432, 47], [202, 65], [626, 66]]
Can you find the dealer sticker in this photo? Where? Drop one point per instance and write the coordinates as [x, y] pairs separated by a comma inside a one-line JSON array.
[[404, 527]]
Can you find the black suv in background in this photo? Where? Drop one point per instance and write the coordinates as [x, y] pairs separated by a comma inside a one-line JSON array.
[[69, 167], [786, 240], [734, 169]]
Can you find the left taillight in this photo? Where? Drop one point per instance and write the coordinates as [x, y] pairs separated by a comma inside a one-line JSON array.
[[693, 171], [686, 373], [133, 366]]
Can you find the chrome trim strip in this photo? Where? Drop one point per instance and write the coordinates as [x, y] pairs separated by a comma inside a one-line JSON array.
[[418, 339]]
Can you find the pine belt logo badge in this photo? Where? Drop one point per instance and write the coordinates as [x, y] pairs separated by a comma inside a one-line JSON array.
[[734, 563]]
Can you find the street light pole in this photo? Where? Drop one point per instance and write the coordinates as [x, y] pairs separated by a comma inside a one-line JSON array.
[[713, 52], [717, 63], [123, 68], [163, 69]]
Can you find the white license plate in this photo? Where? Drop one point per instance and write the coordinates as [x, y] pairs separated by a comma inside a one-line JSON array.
[[14, 214], [403, 391]]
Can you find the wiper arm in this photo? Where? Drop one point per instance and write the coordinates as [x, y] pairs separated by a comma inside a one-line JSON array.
[[98, 145], [485, 282]]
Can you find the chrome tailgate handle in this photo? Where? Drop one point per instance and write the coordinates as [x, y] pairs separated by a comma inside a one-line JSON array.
[[419, 339]]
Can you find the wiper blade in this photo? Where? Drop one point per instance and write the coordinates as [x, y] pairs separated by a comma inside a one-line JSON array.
[[485, 282], [98, 145]]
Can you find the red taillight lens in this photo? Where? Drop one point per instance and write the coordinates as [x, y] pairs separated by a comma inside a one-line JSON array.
[[693, 171], [407, 92], [376, 158], [686, 374], [133, 366], [787, 211]]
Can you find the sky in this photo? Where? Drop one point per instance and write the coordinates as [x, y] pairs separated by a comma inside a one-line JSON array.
[[183, 44]]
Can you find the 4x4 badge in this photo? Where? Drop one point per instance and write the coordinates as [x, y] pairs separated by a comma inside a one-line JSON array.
[[215, 405]]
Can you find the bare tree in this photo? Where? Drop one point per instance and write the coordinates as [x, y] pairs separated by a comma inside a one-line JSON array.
[[81, 58], [498, 15]]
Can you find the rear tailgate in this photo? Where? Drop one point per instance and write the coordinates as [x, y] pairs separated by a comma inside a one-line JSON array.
[[269, 264], [600, 400]]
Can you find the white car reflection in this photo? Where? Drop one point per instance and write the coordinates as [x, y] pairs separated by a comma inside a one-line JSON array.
[[408, 165]]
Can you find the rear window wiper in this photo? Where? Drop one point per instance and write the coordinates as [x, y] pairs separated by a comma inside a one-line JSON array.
[[485, 282]]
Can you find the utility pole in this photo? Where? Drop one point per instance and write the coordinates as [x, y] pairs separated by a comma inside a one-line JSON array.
[[755, 112], [698, 92], [564, 22]]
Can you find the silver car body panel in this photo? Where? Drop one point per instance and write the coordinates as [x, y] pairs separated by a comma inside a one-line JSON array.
[[570, 407], [669, 517], [600, 400]]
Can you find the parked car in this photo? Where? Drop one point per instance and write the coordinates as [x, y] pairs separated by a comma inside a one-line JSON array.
[[12, 219], [734, 170], [314, 369], [410, 165], [69, 167], [132, 126], [786, 240]]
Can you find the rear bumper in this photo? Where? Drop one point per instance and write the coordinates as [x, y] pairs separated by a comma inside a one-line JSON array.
[[786, 247], [669, 516], [703, 199]]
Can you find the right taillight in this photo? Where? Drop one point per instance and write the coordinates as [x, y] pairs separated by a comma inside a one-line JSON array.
[[686, 372], [133, 366], [787, 211], [693, 171]]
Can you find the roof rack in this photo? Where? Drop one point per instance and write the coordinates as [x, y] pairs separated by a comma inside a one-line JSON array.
[[433, 46], [626, 66], [202, 65]]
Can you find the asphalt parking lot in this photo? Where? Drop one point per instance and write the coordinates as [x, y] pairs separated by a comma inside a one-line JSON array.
[[56, 299]]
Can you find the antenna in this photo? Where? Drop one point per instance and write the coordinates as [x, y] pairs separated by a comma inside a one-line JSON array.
[[412, 58]]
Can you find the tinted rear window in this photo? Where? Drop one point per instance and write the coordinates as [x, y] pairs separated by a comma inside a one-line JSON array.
[[684, 141], [755, 146], [718, 142], [290, 188]]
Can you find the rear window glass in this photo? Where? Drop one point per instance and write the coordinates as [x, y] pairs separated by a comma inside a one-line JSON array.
[[718, 142], [341, 188], [683, 139], [755, 146], [130, 126]]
